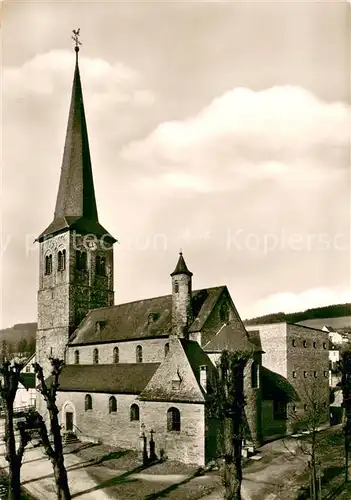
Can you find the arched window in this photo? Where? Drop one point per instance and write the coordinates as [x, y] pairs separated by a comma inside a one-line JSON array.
[[61, 260], [81, 260], [254, 375], [134, 412], [88, 402], [100, 265], [139, 354], [173, 420], [116, 355], [112, 405], [103, 266], [76, 357], [97, 264], [166, 349], [84, 261], [176, 287], [48, 264], [96, 356]]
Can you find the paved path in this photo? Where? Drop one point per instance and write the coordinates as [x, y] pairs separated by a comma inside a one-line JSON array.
[[37, 475]]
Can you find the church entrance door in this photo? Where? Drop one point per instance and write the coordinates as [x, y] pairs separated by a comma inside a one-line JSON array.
[[69, 421]]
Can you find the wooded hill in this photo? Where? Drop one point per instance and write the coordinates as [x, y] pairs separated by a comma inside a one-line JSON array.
[[326, 312]]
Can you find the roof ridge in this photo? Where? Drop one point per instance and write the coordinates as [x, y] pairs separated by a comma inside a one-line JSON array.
[[153, 298]]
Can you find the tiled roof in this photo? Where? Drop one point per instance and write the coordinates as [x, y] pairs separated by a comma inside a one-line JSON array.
[[330, 328], [197, 357], [254, 337], [232, 336], [122, 378], [142, 318], [181, 363], [181, 267], [28, 380]]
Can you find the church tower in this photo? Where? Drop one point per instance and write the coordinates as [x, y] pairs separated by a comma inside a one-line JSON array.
[[181, 299], [76, 252]]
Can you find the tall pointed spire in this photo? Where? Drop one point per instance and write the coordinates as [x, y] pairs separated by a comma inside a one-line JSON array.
[[75, 203], [76, 196]]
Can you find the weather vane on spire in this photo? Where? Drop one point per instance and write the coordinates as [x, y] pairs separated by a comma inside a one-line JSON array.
[[75, 38]]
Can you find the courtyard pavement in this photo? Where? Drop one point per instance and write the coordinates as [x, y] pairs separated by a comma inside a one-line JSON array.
[[263, 480], [37, 475]]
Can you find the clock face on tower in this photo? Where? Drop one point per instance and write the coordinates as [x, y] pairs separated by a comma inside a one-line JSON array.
[[92, 245]]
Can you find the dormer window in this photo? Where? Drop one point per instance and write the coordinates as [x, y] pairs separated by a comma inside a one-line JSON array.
[[116, 355], [175, 385], [76, 357], [139, 354], [61, 260], [99, 326], [96, 356], [48, 264]]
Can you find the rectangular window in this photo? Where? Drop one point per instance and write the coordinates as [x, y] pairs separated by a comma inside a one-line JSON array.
[[294, 343], [305, 374], [294, 374]]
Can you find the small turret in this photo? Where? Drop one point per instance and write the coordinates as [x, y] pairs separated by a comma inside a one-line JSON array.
[[181, 299]]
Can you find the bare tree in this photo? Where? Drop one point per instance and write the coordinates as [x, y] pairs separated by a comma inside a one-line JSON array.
[[309, 420], [54, 450], [10, 375], [227, 402]]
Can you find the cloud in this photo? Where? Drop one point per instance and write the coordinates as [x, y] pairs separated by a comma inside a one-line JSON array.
[[294, 302], [282, 133], [104, 83]]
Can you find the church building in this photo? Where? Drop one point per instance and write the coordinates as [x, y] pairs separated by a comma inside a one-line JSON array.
[[134, 369]]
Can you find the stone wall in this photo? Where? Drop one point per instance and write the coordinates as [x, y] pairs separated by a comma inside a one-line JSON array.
[[117, 430], [181, 304], [65, 296], [308, 366], [273, 341], [188, 445], [271, 428], [153, 351]]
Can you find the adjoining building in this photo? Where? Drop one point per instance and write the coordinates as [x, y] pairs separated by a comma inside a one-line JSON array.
[[300, 356]]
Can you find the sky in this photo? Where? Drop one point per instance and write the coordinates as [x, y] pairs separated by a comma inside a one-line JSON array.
[[219, 128]]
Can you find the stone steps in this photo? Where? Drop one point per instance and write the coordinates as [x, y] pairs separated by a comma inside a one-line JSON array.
[[69, 438]]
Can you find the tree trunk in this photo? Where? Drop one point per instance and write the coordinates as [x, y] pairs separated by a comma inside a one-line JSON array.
[[232, 476], [14, 480], [60, 472], [11, 456], [61, 480]]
